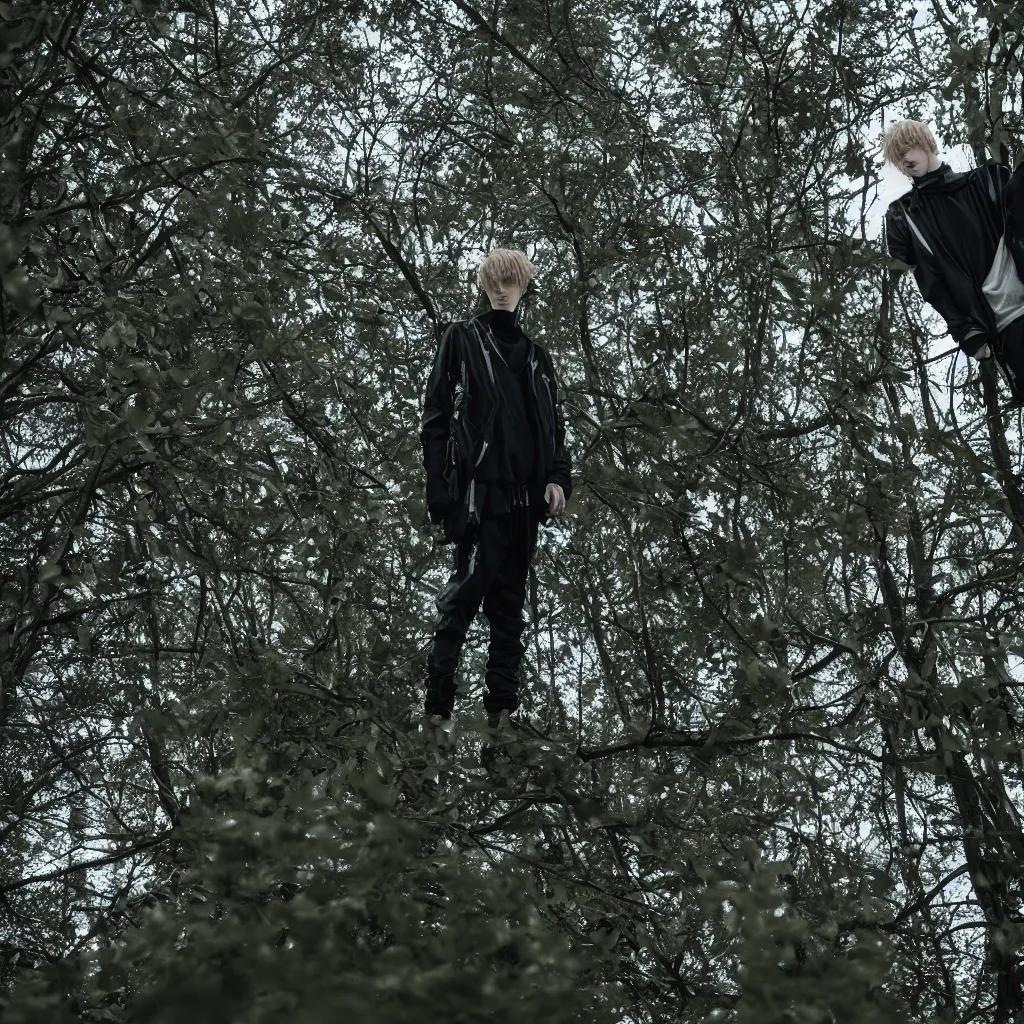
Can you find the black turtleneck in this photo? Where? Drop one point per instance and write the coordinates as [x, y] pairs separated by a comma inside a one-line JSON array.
[[503, 321], [512, 457], [511, 343], [931, 177]]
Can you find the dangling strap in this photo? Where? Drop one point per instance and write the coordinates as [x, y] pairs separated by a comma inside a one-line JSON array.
[[917, 233]]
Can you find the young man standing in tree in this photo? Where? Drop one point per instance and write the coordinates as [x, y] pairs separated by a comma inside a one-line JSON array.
[[962, 235], [496, 466]]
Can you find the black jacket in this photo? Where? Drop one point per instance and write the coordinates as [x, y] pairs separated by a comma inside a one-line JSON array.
[[459, 410], [947, 227]]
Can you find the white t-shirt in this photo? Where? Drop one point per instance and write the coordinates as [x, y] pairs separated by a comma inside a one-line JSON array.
[[1003, 288]]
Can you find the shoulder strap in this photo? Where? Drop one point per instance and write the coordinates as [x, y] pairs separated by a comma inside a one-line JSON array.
[[917, 233]]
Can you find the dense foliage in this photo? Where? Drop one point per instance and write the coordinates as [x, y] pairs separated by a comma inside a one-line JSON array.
[[774, 643]]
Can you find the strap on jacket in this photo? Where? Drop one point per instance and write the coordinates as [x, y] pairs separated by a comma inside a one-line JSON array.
[[917, 233]]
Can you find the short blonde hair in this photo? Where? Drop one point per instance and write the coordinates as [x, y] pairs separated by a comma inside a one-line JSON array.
[[504, 265], [904, 135]]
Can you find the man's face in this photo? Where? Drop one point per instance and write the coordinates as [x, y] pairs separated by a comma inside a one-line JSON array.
[[504, 295], [915, 162]]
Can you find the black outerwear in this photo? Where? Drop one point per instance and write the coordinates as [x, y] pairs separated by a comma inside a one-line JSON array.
[[462, 401], [513, 454], [948, 228]]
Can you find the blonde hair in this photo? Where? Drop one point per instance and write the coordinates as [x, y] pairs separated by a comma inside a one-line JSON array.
[[504, 265], [904, 135]]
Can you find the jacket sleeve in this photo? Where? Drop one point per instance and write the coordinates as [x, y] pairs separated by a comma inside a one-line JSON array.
[[1000, 176], [561, 472], [970, 336], [1015, 218], [436, 422], [896, 241]]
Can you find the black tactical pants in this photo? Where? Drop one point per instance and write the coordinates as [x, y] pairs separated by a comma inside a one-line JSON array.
[[492, 563]]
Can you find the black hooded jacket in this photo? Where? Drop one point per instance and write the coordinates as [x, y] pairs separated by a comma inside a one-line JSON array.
[[516, 447], [947, 227], [468, 402]]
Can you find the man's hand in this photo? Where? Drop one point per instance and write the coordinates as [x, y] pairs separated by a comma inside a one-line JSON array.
[[555, 498], [984, 352]]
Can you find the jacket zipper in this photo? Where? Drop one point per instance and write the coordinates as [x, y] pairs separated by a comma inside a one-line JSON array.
[[471, 495], [483, 449], [551, 407], [483, 348]]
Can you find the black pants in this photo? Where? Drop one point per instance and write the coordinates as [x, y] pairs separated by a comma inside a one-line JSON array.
[[492, 563], [1009, 350]]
